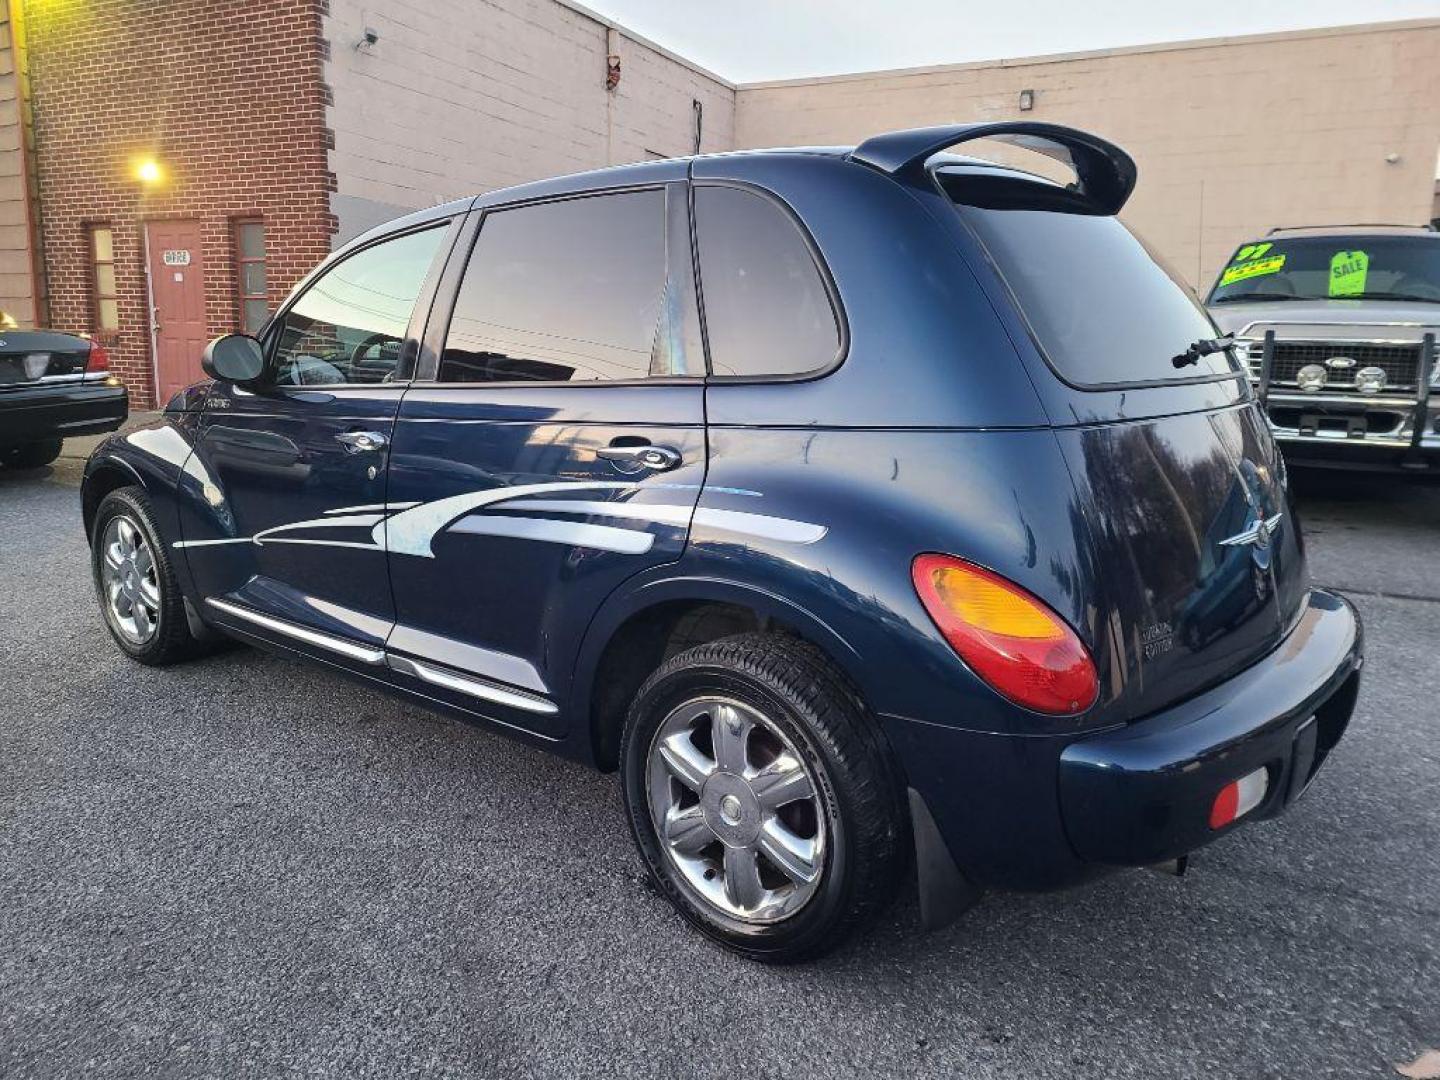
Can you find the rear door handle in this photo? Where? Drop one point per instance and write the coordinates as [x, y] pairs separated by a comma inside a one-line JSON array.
[[635, 458], [357, 441]]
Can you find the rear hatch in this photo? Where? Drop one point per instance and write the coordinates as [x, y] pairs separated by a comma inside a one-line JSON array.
[[1180, 488], [36, 356]]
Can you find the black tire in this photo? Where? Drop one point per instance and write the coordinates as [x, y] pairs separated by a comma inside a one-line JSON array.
[[795, 686], [31, 455], [171, 640]]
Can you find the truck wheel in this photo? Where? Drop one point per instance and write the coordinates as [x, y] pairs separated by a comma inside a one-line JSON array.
[[31, 455], [763, 797], [135, 582]]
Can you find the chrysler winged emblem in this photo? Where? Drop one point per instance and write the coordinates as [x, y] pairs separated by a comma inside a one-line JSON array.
[[1258, 532]]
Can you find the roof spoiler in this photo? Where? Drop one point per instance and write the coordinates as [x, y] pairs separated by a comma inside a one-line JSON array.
[[1105, 173]]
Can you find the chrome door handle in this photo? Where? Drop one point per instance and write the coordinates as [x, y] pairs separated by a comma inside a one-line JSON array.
[[635, 458], [357, 441]]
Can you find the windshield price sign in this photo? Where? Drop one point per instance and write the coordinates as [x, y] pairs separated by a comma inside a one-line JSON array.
[[1348, 270]]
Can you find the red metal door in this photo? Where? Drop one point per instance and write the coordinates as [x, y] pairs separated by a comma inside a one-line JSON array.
[[177, 290]]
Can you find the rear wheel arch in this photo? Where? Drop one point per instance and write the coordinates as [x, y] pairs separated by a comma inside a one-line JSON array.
[[633, 636]]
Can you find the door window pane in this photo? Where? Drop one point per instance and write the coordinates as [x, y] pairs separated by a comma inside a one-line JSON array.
[[255, 314], [104, 244], [252, 279], [349, 324], [767, 311], [250, 265], [569, 290], [252, 239]]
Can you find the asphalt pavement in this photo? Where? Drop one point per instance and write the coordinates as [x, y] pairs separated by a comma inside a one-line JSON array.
[[245, 867]]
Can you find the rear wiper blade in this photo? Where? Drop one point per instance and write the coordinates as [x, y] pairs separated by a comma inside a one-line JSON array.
[[1203, 347]]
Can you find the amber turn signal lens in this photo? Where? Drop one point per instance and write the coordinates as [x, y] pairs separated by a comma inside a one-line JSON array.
[[1017, 645]]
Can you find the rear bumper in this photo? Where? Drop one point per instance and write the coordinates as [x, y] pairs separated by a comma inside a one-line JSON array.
[[1043, 812], [35, 413], [1143, 794]]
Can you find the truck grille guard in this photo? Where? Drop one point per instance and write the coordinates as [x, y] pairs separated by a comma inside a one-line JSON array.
[[1418, 399]]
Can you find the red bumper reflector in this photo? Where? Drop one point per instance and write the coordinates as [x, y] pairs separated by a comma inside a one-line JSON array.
[[1238, 798]]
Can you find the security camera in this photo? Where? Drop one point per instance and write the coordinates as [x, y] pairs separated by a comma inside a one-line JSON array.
[[370, 37]]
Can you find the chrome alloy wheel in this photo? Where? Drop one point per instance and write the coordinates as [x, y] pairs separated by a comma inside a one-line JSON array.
[[127, 572], [737, 810]]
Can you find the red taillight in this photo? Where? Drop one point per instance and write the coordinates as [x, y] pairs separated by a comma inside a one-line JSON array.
[[99, 359], [1021, 648]]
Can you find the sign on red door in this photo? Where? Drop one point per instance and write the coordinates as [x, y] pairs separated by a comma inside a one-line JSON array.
[[177, 291]]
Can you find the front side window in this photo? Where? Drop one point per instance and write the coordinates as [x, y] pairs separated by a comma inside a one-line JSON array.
[[767, 311], [250, 275], [348, 326], [102, 254], [1401, 268], [573, 290]]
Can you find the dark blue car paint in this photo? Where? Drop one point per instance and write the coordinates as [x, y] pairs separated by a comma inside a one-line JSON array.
[[941, 428]]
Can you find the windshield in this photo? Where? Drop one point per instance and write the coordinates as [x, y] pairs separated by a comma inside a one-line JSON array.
[[1332, 268], [1102, 308]]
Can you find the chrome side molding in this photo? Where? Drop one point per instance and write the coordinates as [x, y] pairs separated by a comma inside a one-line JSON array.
[[365, 654], [472, 685], [468, 684]]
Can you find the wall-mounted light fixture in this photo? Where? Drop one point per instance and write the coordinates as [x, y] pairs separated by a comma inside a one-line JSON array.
[[149, 172], [1027, 100]]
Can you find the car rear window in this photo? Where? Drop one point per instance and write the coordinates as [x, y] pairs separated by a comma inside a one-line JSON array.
[[1400, 268], [1100, 305]]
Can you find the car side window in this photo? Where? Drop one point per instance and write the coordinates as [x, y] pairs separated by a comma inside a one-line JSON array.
[[767, 310], [348, 326], [564, 291]]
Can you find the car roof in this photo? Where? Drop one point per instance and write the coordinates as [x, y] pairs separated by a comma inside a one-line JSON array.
[[1352, 230], [664, 170]]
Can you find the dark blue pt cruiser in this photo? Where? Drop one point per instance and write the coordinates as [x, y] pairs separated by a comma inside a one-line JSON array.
[[860, 506]]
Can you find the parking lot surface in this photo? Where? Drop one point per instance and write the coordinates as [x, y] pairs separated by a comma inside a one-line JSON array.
[[245, 867]]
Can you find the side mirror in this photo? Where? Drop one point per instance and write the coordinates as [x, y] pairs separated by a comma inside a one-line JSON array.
[[235, 358]]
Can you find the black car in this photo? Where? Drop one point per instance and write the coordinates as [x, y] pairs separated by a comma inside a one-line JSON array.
[[865, 508], [52, 386]]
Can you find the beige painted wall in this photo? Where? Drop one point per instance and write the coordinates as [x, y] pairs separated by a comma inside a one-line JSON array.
[[1232, 136], [463, 96], [17, 284]]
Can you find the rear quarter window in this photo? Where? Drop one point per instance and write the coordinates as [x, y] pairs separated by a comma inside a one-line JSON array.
[[768, 312], [1101, 306]]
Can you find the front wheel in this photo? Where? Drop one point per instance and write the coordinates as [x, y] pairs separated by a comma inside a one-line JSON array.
[[31, 455], [135, 582], [763, 798]]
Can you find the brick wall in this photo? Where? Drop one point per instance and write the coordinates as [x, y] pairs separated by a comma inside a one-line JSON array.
[[227, 95], [463, 96], [1232, 136]]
